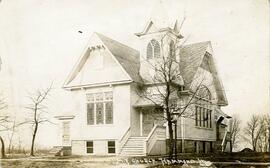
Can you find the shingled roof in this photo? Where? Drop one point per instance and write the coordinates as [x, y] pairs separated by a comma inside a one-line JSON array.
[[191, 58], [128, 57]]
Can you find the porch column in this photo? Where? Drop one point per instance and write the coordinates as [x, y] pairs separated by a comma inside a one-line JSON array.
[[141, 123]]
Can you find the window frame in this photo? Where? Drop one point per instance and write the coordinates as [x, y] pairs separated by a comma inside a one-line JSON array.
[[89, 147], [172, 54], [203, 109], [97, 98], [111, 147], [153, 49]]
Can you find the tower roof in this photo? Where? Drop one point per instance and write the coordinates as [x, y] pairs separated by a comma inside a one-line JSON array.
[[153, 27]]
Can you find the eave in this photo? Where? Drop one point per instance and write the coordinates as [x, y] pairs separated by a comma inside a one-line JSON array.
[[86, 86], [160, 31]]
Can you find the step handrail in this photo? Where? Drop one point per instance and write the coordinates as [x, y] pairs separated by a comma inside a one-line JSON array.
[[124, 139], [152, 138], [223, 141]]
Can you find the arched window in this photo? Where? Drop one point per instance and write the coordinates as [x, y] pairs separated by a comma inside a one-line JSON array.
[[172, 50], [149, 51], [153, 49], [204, 93], [203, 110]]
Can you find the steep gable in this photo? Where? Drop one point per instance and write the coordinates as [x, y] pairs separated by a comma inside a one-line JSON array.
[[128, 57], [190, 59], [104, 60], [206, 64], [197, 55]]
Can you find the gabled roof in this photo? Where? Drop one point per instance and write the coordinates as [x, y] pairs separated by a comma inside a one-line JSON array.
[[192, 57], [128, 57]]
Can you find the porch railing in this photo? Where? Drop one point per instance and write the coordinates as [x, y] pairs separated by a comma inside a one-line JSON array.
[[124, 140], [157, 133]]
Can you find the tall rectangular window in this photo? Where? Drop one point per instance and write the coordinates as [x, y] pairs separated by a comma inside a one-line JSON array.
[[203, 117], [99, 113], [99, 108], [210, 118], [109, 112], [207, 118], [89, 147], [90, 113], [200, 114], [111, 146], [196, 116]]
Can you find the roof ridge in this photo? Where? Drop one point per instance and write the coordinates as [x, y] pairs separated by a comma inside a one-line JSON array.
[[202, 42], [124, 45]]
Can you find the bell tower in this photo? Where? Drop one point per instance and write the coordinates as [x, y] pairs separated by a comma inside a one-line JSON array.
[[158, 40]]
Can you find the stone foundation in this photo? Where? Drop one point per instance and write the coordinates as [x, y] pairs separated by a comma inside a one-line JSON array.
[[192, 146]]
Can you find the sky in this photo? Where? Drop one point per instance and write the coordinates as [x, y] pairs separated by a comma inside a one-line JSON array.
[[40, 42]]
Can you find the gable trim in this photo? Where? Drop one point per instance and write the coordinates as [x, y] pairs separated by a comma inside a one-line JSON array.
[[216, 78], [80, 62], [115, 59], [98, 85]]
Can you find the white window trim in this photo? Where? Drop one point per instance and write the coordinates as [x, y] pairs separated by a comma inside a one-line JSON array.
[[86, 147], [104, 107]]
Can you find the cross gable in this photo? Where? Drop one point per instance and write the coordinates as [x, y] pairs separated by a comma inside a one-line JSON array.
[[200, 56]]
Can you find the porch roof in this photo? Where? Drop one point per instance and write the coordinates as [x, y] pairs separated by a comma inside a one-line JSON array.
[[144, 102], [221, 113]]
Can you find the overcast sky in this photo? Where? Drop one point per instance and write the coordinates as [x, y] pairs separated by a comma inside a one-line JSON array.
[[39, 42]]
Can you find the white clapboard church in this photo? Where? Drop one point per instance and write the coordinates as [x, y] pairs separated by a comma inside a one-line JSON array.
[[110, 118]]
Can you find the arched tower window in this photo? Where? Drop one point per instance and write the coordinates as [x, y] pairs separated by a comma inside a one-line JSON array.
[[149, 51], [172, 50], [153, 49]]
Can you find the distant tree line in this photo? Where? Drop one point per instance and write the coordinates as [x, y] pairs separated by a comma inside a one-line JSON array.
[[256, 132]]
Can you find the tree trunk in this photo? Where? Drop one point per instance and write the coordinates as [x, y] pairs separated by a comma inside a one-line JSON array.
[[3, 153], [33, 139], [231, 146], [171, 144], [268, 139], [175, 139]]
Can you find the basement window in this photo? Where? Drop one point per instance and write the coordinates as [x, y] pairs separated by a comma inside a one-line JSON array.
[[111, 146], [89, 147]]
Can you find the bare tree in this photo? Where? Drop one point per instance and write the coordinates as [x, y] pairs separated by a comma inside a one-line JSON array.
[[267, 122], [12, 129], [263, 140], [3, 125], [38, 111], [253, 130], [6, 124], [235, 131], [11, 135], [166, 90]]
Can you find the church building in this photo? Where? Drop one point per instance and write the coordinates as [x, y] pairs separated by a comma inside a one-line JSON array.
[[110, 116]]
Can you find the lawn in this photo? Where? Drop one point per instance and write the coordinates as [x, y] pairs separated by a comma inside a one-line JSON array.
[[222, 160], [51, 164]]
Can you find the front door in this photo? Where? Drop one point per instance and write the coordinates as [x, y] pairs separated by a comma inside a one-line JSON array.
[[148, 124], [150, 119], [66, 133]]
